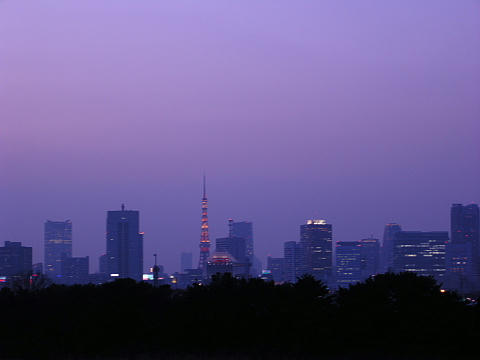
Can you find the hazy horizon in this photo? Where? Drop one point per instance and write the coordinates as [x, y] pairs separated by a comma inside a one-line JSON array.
[[360, 113]]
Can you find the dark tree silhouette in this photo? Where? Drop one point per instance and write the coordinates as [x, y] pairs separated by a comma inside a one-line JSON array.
[[388, 316]]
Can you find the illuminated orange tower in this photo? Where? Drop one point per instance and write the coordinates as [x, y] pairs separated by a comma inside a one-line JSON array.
[[204, 236]]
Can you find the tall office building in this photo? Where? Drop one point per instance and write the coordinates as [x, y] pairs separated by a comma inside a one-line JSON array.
[[186, 261], [348, 257], [316, 247], [387, 246], [465, 226], [420, 252], [276, 266], [236, 247], [58, 245], [464, 231], [15, 260], [463, 258], [75, 270], [244, 229], [370, 257], [292, 256], [124, 244]]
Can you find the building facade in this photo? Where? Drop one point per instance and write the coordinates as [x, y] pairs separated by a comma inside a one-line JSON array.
[[420, 252], [370, 257], [237, 248], [463, 258], [220, 263], [276, 266], [15, 260], [292, 257], [58, 245], [124, 244], [75, 270], [387, 246], [348, 257], [244, 229], [316, 249]]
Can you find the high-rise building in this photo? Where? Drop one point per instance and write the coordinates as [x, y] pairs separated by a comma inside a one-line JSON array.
[[464, 231], [186, 261], [292, 257], [244, 229], [15, 260], [465, 225], [348, 256], [463, 258], [103, 264], [420, 252], [58, 245], [370, 257], [204, 233], [124, 244], [75, 270], [237, 248], [276, 266], [316, 247], [387, 246]]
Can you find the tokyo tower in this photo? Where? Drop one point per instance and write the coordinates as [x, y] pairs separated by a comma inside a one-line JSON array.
[[204, 237]]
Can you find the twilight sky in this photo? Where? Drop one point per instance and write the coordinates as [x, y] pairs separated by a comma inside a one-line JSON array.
[[359, 112]]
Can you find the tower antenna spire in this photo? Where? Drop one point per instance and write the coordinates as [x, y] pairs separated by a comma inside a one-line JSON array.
[[204, 185], [204, 234]]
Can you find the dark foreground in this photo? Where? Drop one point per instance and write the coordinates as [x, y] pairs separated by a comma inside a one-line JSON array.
[[388, 317]]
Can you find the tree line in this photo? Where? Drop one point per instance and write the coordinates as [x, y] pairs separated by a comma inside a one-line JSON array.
[[389, 316]]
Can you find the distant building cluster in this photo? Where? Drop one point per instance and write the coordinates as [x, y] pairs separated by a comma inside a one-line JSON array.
[[452, 258]]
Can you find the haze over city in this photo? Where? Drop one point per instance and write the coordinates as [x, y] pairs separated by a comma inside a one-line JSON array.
[[360, 113]]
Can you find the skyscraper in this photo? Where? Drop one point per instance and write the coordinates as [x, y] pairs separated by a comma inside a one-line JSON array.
[[185, 261], [204, 234], [316, 247], [349, 262], [464, 230], [465, 226], [292, 255], [387, 246], [58, 245], [15, 259], [276, 266], [463, 258], [370, 257], [75, 270], [244, 229], [420, 252], [237, 248], [124, 244]]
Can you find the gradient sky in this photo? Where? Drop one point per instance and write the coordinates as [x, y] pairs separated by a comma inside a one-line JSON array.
[[359, 112]]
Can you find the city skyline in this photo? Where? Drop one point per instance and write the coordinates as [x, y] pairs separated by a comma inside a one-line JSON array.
[[360, 114], [173, 265]]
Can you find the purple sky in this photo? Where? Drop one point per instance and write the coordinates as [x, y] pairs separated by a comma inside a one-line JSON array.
[[359, 112]]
